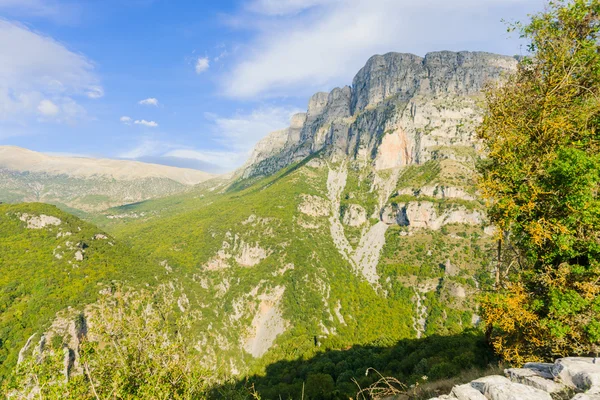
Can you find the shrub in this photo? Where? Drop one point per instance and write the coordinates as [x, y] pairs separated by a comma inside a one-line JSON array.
[[542, 178]]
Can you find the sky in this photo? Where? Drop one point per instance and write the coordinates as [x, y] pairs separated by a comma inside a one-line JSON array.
[[196, 83]]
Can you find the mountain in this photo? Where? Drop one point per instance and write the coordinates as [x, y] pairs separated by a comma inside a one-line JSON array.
[[51, 260], [359, 224], [85, 183], [401, 110]]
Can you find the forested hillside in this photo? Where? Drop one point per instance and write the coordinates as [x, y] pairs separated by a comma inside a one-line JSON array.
[[51, 260]]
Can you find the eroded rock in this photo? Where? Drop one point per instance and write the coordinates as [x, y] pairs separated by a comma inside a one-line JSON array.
[[39, 221]]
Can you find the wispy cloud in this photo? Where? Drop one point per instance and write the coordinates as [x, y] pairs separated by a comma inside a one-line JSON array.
[[285, 7], [125, 119], [151, 101], [234, 137], [36, 71], [322, 43], [146, 147], [240, 132], [202, 64], [210, 160], [48, 9], [150, 124], [48, 108]]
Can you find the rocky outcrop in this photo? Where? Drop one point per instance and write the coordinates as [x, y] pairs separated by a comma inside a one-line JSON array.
[[576, 378], [354, 215], [400, 109], [428, 215], [314, 206], [39, 221], [235, 248]]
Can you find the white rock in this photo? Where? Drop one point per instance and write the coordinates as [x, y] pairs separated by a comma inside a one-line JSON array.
[[497, 387], [467, 392], [480, 383], [582, 373], [535, 378], [354, 215], [514, 391], [39, 221], [586, 396]]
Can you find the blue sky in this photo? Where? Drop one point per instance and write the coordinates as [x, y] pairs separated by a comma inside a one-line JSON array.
[[198, 83]]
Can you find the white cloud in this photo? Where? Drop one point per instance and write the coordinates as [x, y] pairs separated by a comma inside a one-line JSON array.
[[48, 108], [147, 147], [151, 101], [125, 119], [285, 7], [241, 131], [223, 160], [95, 92], [305, 45], [150, 124], [233, 139], [202, 64], [44, 8], [36, 68]]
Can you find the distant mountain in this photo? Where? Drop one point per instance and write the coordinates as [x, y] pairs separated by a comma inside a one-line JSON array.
[[85, 183]]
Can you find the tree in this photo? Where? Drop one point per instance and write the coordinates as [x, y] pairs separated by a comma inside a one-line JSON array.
[[541, 178], [136, 346]]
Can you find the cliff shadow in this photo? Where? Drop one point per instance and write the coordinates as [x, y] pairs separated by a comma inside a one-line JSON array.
[[340, 374]]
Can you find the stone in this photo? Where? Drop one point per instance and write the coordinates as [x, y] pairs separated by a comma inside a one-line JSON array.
[[480, 383], [467, 392], [39, 221], [586, 396], [542, 367], [513, 391], [535, 378], [582, 373]]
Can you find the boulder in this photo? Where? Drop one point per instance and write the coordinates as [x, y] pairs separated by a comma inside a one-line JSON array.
[[542, 367], [467, 392], [581, 373], [535, 378], [480, 383], [501, 388]]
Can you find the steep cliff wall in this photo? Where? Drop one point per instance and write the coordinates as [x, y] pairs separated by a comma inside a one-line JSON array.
[[400, 110]]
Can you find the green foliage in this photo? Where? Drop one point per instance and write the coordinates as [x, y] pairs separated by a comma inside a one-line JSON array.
[[137, 346], [330, 374], [41, 276], [542, 177]]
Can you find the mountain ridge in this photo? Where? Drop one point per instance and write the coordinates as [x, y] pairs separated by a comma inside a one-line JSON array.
[[21, 159], [334, 118]]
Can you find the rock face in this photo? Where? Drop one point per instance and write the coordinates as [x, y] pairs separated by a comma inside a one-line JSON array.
[[400, 109], [428, 215], [575, 378]]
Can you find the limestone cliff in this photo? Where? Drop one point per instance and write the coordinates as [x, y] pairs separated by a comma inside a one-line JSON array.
[[402, 109]]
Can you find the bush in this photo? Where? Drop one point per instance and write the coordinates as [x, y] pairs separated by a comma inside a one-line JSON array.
[[542, 178], [135, 347]]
